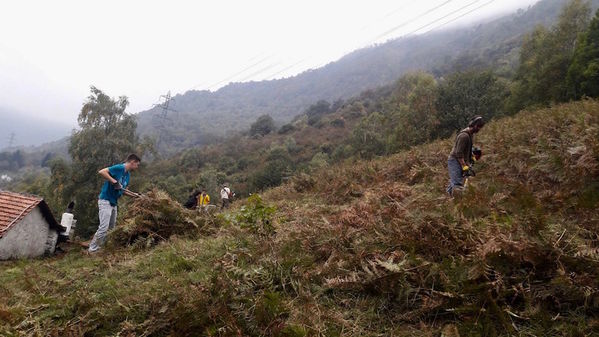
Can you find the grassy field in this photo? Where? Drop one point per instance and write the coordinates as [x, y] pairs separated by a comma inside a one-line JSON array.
[[362, 249]]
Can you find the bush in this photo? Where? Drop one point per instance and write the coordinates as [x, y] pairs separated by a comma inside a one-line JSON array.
[[262, 126], [316, 111], [338, 123], [303, 182], [256, 216], [286, 129], [464, 95]]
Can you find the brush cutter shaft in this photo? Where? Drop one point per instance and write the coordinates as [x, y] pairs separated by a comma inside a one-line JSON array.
[[132, 194]]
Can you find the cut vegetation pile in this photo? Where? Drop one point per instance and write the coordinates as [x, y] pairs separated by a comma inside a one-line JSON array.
[[362, 249], [152, 218]]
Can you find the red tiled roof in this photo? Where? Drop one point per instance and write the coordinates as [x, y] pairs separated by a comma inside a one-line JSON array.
[[15, 206]]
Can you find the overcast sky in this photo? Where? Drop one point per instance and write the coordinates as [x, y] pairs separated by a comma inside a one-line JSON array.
[[52, 51]]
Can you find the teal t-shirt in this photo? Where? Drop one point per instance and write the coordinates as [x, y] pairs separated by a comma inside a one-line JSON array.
[[108, 192]]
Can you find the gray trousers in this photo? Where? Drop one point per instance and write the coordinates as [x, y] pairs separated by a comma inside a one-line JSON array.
[[107, 214], [455, 175]]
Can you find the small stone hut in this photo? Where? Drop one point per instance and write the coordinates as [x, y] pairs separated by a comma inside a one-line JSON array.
[[27, 226]]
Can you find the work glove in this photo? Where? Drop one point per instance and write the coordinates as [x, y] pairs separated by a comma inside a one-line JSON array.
[[117, 186], [467, 171]]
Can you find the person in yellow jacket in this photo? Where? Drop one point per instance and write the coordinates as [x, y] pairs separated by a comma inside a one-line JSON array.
[[203, 200]]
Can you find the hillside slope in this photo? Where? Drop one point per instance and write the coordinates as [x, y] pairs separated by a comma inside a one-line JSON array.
[[362, 249], [202, 114]]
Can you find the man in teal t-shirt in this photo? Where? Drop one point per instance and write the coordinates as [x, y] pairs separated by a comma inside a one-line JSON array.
[[117, 180]]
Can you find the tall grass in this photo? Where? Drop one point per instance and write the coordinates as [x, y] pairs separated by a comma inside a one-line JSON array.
[[362, 249]]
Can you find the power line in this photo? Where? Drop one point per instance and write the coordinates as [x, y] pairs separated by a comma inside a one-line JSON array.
[[231, 76], [270, 66], [273, 65], [238, 73], [278, 72], [459, 17], [387, 32], [395, 11], [443, 17], [414, 19], [389, 14], [285, 69], [409, 21]]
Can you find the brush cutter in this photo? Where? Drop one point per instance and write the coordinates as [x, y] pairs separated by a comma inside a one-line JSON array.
[[468, 171], [133, 194]]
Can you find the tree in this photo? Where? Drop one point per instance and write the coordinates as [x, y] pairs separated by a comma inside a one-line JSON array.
[[106, 136], [17, 160], [60, 188], [545, 58], [412, 111], [287, 128], [192, 159], [278, 164], [46, 160], [316, 111], [464, 95], [262, 126], [368, 137], [583, 74], [409, 117], [319, 160]]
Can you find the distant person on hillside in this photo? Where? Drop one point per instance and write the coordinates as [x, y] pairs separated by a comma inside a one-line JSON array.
[[225, 193], [117, 179], [460, 159], [203, 200], [192, 200]]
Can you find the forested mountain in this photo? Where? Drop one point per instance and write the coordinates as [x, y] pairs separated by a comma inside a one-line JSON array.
[[201, 115]]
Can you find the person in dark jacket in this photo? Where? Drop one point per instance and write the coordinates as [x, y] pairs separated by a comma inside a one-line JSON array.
[[460, 158], [192, 200]]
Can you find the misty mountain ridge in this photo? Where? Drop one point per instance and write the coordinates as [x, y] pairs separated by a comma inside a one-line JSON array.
[[202, 115], [29, 131]]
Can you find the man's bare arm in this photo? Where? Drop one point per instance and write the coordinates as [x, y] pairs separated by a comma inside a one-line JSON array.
[[106, 175]]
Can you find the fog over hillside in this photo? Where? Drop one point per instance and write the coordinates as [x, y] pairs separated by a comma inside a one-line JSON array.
[[490, 44], [29, 130], [202, 114], [48, 71]]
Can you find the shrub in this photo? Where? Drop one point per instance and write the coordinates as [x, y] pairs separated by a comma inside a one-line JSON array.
[[287, 128], [256, 216], [262, 126]]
